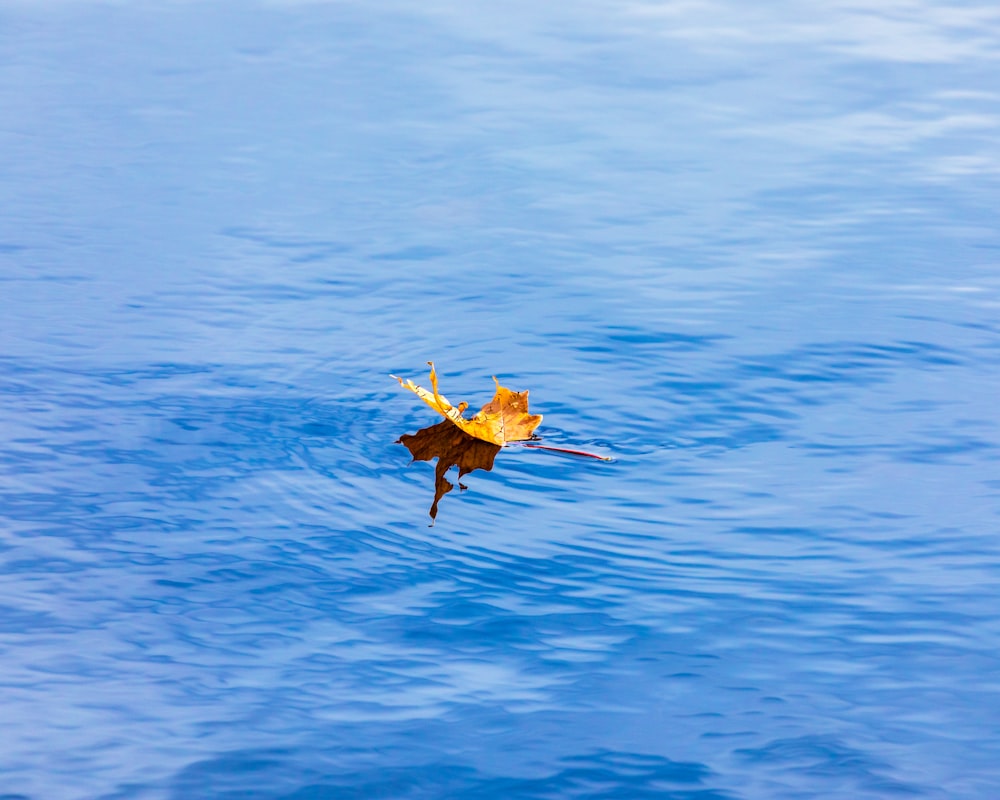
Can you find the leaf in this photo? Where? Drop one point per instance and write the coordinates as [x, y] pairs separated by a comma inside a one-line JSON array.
[[504, 419], [472, 443], [451, 447]]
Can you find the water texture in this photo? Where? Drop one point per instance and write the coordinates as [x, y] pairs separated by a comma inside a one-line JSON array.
[[749, 252]]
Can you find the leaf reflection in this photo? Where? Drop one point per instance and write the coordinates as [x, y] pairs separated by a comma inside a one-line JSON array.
[[451, 447]]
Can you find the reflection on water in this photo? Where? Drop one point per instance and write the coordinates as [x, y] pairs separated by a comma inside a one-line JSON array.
[[451, 447]]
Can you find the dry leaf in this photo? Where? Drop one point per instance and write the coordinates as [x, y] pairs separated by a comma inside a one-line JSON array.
[[504, 419], [471, 443]]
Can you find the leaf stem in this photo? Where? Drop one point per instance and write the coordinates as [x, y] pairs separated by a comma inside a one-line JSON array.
[[570, 452]]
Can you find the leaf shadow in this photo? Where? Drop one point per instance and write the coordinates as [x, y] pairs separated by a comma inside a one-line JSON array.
[[451, 447]]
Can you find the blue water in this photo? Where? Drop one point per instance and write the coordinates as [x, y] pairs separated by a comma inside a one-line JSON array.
[[749, 252]]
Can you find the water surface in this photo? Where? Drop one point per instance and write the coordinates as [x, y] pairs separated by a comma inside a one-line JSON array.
[[749, 253]]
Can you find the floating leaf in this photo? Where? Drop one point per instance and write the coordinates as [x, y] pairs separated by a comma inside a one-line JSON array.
[[504, 419], [472, 443]]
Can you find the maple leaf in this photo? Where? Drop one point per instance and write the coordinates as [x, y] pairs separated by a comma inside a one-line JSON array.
[[471, 443], [504, 419]]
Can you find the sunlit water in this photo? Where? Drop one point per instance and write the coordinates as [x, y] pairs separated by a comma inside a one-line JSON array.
[[751, 253]]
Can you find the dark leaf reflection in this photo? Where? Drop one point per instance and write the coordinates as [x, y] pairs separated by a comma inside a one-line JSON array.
[[451, 447]]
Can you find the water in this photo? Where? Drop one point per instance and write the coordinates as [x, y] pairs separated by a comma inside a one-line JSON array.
[[751, 253]]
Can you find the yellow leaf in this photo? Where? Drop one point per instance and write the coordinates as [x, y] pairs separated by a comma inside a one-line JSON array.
[[504, 419]]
